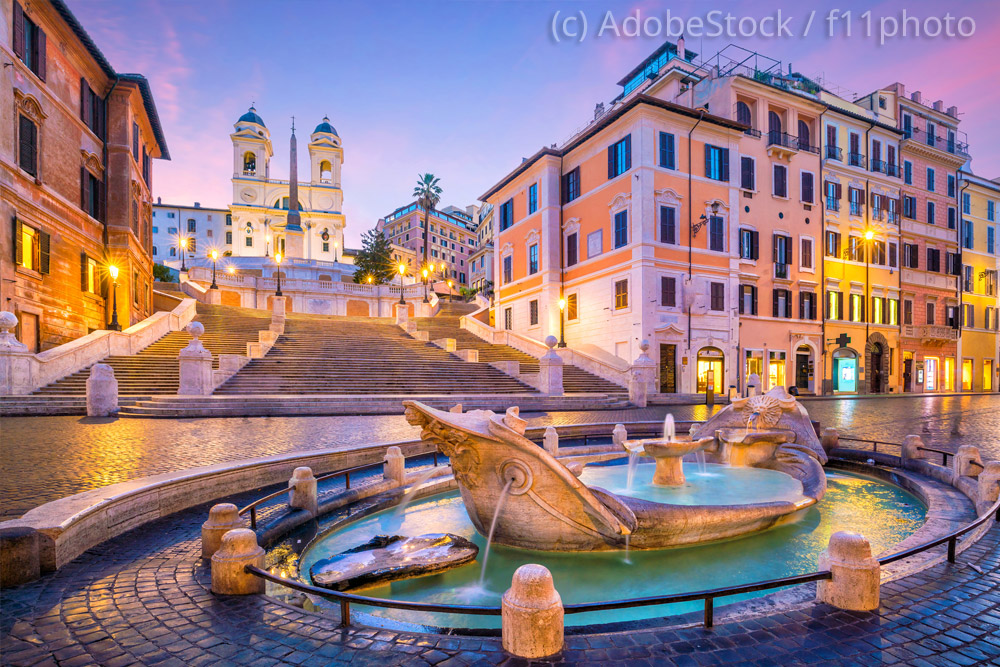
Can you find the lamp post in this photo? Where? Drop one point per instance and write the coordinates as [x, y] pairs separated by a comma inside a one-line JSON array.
[[562, 322], [277, 260], [869, 235], [215, 256], [402, 270], [231, 270], [183, 243], [336, 246], [267, 245], [425, 272], [113, 324], [451, 294]]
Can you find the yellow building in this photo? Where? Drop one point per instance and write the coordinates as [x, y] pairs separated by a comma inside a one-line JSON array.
[[978, 345]]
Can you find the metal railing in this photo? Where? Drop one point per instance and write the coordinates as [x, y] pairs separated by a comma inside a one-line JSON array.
[[834, 153], [857, 160], [783, 139], [345, 600]]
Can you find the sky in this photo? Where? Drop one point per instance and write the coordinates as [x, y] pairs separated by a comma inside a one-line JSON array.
[[465, 89]]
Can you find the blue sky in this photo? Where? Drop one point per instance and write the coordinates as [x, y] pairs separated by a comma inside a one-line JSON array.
[[466, 89]]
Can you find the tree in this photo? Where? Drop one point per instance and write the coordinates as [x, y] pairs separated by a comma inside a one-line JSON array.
[[374, 259], [427, 193], [162, 274]]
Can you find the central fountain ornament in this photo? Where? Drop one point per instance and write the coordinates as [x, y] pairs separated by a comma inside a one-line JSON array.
[[522, 496]]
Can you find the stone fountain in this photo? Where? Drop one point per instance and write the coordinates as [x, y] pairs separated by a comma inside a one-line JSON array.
[[546, 507]]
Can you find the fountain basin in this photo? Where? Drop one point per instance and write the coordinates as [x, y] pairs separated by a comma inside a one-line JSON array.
[[668, 454]]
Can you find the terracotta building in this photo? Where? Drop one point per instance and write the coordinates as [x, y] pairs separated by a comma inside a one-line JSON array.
[[75, 176]]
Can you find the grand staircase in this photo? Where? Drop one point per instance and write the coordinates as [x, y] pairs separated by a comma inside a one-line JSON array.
[[155, 370], [345, 355], [446, 325]]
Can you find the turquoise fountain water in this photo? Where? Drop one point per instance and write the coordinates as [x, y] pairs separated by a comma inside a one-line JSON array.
[[884, 513]]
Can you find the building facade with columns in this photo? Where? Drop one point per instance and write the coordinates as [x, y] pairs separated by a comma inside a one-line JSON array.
[[448, 244], [76, 163]]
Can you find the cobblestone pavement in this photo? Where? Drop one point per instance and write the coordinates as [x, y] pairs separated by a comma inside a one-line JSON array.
[[144, 598], [91, 453]]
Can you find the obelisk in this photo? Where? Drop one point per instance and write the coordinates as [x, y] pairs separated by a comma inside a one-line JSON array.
[[294, 236]]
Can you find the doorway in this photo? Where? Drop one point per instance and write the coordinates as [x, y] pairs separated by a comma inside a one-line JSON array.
[[930, 374], [28, 330], [710, 369], [875, 370], [907, 372], [803, 375], [845, 371], [966, 374], [668, 368]]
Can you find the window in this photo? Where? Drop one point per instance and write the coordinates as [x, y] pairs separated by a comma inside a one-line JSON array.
[[508, 318], [29, 42], [748, 175], [930, 312], [967, 278], [855, 249], [933, 259], [967, 234], [832, 244], [572, 249], [27, 145], [930, 134], [173, 251], [834, 305], [806, 254], [991, 234], [951, 185], [743, 114], [192, 225], [893, 251], [668, 157], [533, 312], [990, 210], [748, 300], [248, 242], [908, 172], [807, 306], [532, 198], [135, 141], [572, 301], [951, 316], [781, 303], [718, 296], [508, 269], [716, 163], [930, 213], [31, 247], [855, 196], [807, 187], [571, 186], [779, 184], [966, 203], [833, 195], [804, 135], [910, 256], [717, 234], [878, 312], [620, 157], [782, 250], [668, 291], [857, 308], [506, 214], [92, 110], [907, 126], [878, 252], [208, 233], [749, 244], [668, 224], [90, 277], [621, 229], [192, 246], [833, 151], [91, 194], [621, 294], [229, 238], [969, 315], [907, 311], [533, 259], [326, 245], [930, 180]]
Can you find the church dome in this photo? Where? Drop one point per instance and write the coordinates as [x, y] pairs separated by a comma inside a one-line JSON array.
[[251, 117], [325, 128]]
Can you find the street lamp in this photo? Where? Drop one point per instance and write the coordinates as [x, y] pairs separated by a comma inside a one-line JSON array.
[[426, 300], [451, 295], [215, 256], [113, 324], [562, 323], [267, 243], [231, 270], [336, 245], [371, 279], [277, 260], [402, 270], [183, 243]]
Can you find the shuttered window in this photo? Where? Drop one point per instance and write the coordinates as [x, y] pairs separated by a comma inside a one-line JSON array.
[[716, 163], [668, 291], [29, 42], [28, 145], [620, 157], [807, 187], [668, 224], [717, 234], [572, 301], [748, 175], [718, 296], [780, 181], [572, 249], [749, 244], [31, 247], [668, 157], [92, 110]]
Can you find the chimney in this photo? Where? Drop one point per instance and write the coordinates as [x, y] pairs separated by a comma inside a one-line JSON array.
[[899, 88], [681, 51], [158, 201], [915, 96], [953, 112], [939, 105], [197, 204]]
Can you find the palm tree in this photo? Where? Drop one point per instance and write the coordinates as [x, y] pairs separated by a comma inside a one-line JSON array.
[[427, 193]]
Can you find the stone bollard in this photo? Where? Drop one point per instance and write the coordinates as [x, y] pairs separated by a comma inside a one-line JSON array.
[[550, 370], [222, 518], [402, 312], [619, 435], [641, 377], [550, 441], [855, 582], [17, 364], [302, 492], [532, 614], [19, 560], [196, 378], [238, 549], [989, 483], [911, 449], [394, 468], [829, 438], [102, 391], [966, 462]]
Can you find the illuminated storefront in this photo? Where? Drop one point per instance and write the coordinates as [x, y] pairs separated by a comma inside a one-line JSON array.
[[710, 369], [845, 371]]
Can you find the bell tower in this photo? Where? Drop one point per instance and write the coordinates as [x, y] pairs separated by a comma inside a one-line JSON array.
[[252, 153], [326, 155]]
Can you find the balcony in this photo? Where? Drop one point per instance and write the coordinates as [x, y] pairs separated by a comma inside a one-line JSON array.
[[782, 144], [834, 153], [887, 168], [751, 132], [857, 160], [781, 271], [804, 146], [857, 208], [931, 333], [832, 204]]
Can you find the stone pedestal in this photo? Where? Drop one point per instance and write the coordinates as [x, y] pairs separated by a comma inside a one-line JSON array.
[[966, 462], [222, 518], [641, 377], [855, 582], [619, 435], [753, 385], [102, 391], [16, 362], [532, 614], [302, 491], [19, 562], [550, 441], [911, 449], [238, 549], [989, 483], [277, 314], [402, 313], [394, 468], [550, 370], [830, 439], [195, 365], [213, 297]]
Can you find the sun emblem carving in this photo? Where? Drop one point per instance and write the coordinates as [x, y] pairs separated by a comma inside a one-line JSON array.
[[762, 411]]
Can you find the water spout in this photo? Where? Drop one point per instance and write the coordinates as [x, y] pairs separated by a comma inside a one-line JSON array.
[[411, 492], [633, 464], [669, 431], [493, 525], [627, 540]]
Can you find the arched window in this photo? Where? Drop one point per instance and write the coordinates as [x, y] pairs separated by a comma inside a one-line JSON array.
[[710, 369], [325, 172], [773, 127], [173, 251], [249, 164], [743, 114], [283, 204], [804, 135]]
